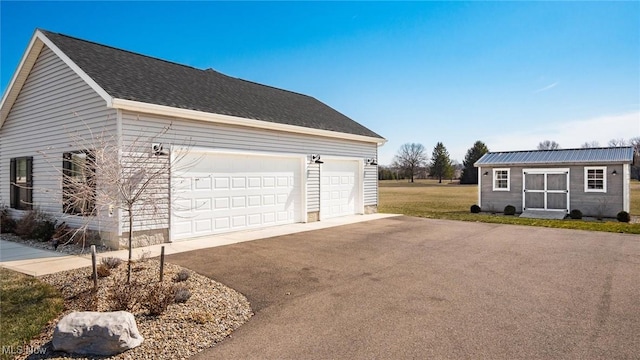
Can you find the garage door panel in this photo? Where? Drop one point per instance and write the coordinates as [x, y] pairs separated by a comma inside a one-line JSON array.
[[221, 183], [202, 204], [221, 203], [203, 225], [222, 223], [244, 192], [338, 188], [254, 182], [269, 218], [203, 183]]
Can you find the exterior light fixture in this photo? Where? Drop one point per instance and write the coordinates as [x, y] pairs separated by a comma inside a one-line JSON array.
[[485, 173], [315, 159], [614, 173]]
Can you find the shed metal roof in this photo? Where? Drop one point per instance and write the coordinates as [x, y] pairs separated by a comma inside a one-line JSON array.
[[607, 155]]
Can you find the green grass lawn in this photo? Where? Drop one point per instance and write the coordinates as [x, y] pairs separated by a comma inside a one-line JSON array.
[[26, 306], [427, 198]]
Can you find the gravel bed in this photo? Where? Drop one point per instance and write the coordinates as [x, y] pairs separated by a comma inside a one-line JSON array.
[[212, 312], [70, 249]]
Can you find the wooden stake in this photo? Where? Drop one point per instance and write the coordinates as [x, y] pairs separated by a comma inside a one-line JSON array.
[[161, 263], [95, 267]]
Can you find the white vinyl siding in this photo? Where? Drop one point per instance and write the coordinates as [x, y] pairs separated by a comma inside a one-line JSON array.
[[313, 187], [595, 179], [215, 136], [54, 106]]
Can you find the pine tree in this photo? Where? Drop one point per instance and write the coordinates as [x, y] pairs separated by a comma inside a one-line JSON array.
[[470, 172], [440, 163]]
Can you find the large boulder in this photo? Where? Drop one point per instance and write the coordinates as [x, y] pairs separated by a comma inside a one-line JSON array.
[[96, 333]]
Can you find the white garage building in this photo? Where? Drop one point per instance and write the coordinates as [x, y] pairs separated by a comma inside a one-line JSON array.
[[258, 156]]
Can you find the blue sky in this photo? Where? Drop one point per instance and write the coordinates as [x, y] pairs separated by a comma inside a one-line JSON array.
[[508, 73]]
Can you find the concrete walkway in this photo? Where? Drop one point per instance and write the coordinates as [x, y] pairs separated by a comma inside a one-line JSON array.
[[38, 262]]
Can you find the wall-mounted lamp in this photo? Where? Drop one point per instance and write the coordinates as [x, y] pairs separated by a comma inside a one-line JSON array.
[[614, 173], [157, 149], [315, 159], [371, 161], [485, 173]]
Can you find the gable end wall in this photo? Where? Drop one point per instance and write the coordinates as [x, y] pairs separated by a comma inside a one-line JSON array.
[[53, 103]]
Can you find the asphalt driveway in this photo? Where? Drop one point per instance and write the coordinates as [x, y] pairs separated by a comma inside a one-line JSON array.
[[417, 288]]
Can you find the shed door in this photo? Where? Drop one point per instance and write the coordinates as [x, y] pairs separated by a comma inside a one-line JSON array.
[[339, 188], [546, 190], [230, 192]]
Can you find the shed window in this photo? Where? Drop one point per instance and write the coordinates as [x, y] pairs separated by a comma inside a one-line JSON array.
[[21, 183], [595, 179], [79, 186], [501, 179]]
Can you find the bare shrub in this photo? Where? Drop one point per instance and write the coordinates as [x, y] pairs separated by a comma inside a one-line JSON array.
[[125, 297], [7, 224], [103, 271], [182, 275], [111, 262], [36, 225], [201, 317], [87, 300], [182, 294], [158, 298]]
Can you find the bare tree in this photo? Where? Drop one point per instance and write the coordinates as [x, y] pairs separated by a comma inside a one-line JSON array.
[[548, 145], [618, 142], [410, 158], [590, 144], [104, 174]]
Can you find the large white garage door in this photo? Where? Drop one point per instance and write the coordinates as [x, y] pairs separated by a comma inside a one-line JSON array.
[[229, 192], [339, 189]]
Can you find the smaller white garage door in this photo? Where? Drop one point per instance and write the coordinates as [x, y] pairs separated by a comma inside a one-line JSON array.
[[339, 188], [229, 192]]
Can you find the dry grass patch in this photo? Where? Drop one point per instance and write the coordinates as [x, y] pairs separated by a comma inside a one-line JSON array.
[[27, 305], [429, 199]]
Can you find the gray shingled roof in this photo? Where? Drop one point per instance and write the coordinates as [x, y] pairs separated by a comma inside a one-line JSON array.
[[561, 156], [130, 76]]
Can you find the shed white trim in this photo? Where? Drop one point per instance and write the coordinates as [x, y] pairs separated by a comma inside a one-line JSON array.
[[604, 179], [626, 193]]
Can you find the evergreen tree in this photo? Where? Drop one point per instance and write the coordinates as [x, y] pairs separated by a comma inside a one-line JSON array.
[[440, 163], [470, 172]]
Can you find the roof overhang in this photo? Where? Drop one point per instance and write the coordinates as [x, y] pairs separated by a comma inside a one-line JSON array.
[[136, 106]]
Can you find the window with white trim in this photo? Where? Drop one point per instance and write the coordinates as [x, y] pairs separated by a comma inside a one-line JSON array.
[[595, 179], [501, 179]]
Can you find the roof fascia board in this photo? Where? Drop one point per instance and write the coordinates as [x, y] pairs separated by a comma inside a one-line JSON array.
[[29, 58], [131, 105], [20, 76]]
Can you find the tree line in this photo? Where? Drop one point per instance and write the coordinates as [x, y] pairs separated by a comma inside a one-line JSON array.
[[412, 161]]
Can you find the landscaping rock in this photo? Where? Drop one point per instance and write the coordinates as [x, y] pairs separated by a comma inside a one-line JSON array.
[[96, 333]]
